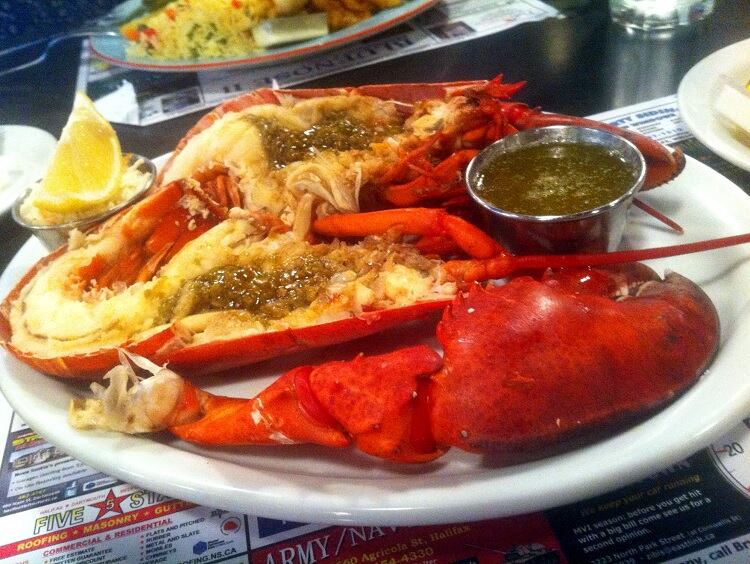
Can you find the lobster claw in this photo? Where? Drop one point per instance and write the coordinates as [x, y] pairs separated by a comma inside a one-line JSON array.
[[565, 367]]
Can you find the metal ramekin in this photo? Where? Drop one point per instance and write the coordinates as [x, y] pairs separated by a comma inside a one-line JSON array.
[[595, 230], [54, 236]]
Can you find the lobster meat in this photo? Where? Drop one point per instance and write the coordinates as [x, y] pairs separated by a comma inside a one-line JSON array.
[[530, 368], [233, 201], [329, 293]]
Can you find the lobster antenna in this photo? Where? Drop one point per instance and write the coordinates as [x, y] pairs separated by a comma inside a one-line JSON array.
[[635, 255]]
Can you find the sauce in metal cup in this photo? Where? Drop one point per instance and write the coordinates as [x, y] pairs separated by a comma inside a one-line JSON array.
[[589, 230]]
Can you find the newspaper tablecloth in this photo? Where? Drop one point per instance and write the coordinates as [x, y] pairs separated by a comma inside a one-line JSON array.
[[143, 98], [54, 509]]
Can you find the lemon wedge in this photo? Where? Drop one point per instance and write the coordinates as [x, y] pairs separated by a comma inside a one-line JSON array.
[[289, 29], [87, 164]]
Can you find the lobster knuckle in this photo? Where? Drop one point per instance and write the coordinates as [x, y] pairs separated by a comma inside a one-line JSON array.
[[275, 416], [280, 408], [373, 398]]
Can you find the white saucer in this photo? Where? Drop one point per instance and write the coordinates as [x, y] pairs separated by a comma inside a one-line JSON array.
[[25, 154], [698, 91]]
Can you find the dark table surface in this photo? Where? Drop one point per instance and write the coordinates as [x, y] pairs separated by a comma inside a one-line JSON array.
[[582, 64]]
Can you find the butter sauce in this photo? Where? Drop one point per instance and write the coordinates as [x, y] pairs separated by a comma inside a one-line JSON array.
[[269, 293], [336, 131], [554, 179]]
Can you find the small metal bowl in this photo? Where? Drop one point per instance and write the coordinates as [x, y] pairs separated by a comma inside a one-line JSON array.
[[594, 230], [54, 236]]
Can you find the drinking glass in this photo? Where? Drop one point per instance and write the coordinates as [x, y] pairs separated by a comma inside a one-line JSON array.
[[659, 15]]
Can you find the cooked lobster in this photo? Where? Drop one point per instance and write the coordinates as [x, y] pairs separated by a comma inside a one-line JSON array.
[[252, 248], [234, 202], [530, 368]]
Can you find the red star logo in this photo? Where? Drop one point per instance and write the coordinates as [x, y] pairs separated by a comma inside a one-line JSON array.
[[111, 503]]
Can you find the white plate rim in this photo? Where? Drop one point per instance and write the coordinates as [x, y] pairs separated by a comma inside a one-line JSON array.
[[111, 49], [378, 494], [697, 92], [34, 145]]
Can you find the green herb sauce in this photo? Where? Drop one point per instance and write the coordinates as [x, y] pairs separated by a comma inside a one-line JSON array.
[[271, 293], [337, 131], [554, 179]]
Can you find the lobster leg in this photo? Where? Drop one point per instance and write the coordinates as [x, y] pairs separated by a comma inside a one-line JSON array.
[[504, 265], [489, 259], [416, 221], [442, 181], [372, 401]]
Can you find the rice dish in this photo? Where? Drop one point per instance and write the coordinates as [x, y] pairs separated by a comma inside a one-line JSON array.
[[213, 29], [191, 29]]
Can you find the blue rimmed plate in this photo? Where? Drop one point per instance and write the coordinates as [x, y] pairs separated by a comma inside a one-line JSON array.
[[112, 49]]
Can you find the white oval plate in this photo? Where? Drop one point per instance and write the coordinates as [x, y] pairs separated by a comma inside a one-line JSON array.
[[311, 484], [25, 154], [697, 93], [114, 49]]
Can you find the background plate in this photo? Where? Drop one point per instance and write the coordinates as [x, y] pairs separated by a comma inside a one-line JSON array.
[[311, 484], [25, 154], [112, 49], [697, 93]]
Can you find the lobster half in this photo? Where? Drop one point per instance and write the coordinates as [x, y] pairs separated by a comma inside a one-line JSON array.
[[133, 283], [481, 115], [529, 369]]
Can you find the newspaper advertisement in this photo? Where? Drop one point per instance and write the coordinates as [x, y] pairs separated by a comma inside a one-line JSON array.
[[142, 98], [55, 509]]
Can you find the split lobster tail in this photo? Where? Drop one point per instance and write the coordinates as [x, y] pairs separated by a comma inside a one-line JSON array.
[[530, 368]]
